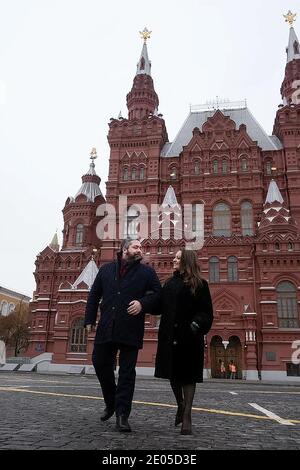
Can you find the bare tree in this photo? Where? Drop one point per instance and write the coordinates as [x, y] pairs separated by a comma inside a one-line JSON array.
[[14, 329]]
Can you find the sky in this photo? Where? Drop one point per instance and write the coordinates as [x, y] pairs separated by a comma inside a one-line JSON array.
[[65, 69]]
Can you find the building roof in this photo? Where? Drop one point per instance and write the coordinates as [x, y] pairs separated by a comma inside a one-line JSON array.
[[88, 275], [144, 64], [12, 293], [274, 193], [293, 46], [90, 184], [54, 243], [170, 198], [239, 116]]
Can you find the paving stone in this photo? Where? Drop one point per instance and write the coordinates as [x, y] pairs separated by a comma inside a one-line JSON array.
[[39, 421]]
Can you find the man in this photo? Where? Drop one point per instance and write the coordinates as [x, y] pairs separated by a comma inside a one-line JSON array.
[[128, 290]]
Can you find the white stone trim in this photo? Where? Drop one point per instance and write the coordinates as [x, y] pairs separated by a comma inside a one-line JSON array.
[[267, 288]]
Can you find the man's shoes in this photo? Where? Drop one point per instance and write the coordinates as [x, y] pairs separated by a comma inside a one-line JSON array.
[[122, 424], [107, 413]]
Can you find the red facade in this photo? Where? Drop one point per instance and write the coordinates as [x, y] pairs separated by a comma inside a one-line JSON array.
[[250, 186]]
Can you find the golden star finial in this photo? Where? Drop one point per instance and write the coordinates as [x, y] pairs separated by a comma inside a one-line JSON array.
[[93, 153], [145, 34], [290, 17]]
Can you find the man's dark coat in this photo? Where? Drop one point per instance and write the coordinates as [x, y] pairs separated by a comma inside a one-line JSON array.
[[139, 283]]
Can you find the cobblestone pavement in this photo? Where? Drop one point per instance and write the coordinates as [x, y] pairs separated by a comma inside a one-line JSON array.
[[41, 411]]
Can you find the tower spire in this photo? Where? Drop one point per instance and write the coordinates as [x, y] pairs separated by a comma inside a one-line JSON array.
[[293, 50], [54, 243], [144, 64], [90, 181], [142, 100], [292, 70]]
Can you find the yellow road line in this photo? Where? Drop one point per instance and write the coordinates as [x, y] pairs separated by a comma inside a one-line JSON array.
[[164, 405]]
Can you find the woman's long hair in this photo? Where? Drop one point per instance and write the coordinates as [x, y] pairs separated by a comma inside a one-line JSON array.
[[190, 268]]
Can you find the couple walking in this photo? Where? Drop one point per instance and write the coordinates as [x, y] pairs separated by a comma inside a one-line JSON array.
[[128, 290]]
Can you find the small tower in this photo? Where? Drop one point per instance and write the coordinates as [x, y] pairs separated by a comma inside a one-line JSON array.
[[80, 211]]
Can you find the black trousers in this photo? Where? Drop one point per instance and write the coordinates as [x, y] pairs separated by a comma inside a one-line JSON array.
[[120, 395]]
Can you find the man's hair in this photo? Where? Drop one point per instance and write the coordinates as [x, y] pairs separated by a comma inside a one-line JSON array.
[[126, 243]]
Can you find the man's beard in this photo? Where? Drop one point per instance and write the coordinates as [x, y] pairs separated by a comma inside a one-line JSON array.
[[132, 258]]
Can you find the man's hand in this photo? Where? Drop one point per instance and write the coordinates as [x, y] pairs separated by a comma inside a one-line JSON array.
[[134, 307]]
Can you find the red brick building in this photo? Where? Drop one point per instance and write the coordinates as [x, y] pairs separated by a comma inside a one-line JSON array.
[[249, 183]]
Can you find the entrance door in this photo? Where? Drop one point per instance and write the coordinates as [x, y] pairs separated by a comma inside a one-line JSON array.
[[219, 354], [234, 353]]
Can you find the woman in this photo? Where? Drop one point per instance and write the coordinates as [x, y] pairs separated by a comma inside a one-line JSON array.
[[186, 316]]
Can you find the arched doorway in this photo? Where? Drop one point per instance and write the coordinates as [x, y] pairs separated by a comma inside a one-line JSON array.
[[234, 353], [219, 354]]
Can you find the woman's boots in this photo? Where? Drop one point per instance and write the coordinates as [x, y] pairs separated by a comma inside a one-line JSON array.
[[177, 390], [188, 393]]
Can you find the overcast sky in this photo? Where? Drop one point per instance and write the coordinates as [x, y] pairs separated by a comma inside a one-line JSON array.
[[65, 69]]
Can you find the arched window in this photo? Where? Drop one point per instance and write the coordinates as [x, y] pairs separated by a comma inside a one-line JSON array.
[[173, 173], [290, 246], [215, 166], [287, 307], [133, 173], [131, 225], [296, 47], [247, 218], [277, 246], [125, 174], [11, 307], [232, 269], [142, 64], [224, 166], [78, 337], [269, 168], [197, 168], [79, 234], [142, 173], [244, 164], [214, 269], [221, 220], [4, 308]]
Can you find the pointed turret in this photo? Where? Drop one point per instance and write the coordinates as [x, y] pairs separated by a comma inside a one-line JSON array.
[[275, 217], [144, 64], [54, 245], [273, 194], [87, 276], [292, 70], [142, 100], [170, 198], [293, 49], [80, 211], [90, 181]]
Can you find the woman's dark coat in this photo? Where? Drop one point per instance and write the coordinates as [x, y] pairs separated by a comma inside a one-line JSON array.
[[180, 351]]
